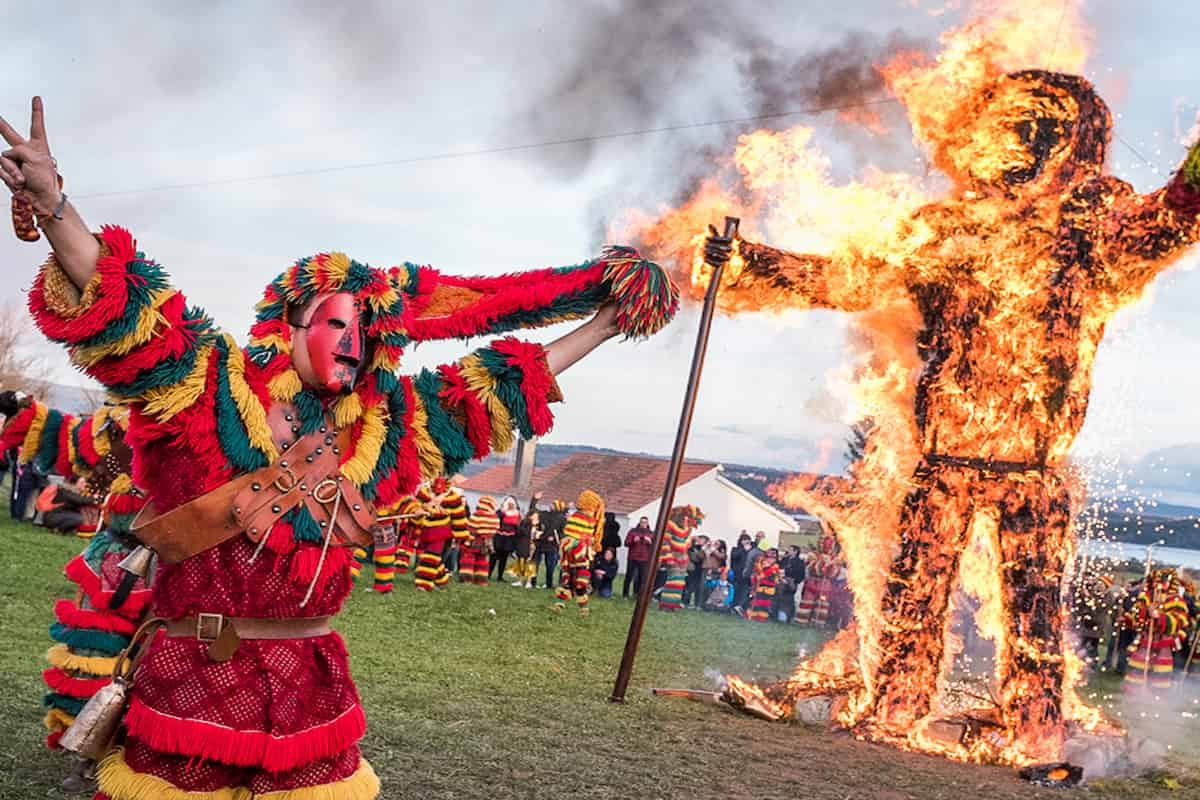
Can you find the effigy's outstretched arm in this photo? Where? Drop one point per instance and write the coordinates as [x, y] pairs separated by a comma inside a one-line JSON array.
[[764, 278], [1144, 234]]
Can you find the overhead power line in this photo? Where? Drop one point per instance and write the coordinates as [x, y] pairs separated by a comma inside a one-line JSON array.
[[485, 151]]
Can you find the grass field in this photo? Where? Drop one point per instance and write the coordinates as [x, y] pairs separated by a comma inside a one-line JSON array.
[[464, 703]]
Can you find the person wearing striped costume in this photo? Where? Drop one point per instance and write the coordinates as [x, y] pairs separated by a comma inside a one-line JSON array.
[[384, 552], [442, 517], [91, 628], [673, 558], [477, 547], [762, 584], [408, 528], [581, 536], [1160, 620], [247, 692]]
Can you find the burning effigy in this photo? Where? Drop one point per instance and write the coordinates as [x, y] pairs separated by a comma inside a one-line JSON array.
[[981, 299]]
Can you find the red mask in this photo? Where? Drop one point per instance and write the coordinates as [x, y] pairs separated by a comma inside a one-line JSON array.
[[334, 339]]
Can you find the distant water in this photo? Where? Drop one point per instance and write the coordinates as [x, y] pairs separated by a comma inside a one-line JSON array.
[[1174, 556]]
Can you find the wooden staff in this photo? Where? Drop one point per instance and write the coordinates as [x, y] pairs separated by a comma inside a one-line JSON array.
[[668, 498]]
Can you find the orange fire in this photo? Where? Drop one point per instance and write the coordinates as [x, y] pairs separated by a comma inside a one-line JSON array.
[[980, 297]]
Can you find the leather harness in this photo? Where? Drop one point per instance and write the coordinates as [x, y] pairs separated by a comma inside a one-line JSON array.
[[306, 472]]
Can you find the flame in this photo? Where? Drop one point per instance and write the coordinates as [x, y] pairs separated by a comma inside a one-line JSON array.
[[981, 293]]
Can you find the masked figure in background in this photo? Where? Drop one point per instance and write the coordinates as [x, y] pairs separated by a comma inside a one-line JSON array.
[[383, 551], [673, 557], [817, 595], [581, 536], [264, 467], [1160, 621], [442, 517], [763, 584], [477, 547], [113, 591], [408, 534]]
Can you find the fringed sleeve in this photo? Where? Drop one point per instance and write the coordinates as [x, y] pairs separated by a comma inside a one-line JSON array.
[[441, 419], [457, 307], [128, 328]]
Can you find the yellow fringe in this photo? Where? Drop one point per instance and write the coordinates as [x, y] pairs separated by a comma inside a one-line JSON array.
[[164, 403], [249, 408], [147, 326], [57, 720], [72, 454], [336, 267], [120, 782], [99, 666], [33, 436], [366, 451], [362, 785], [483, 384], [284, 386], [280, 344], [100, 439], [347, 410], [428, 453], [122, 484], [384, 301]]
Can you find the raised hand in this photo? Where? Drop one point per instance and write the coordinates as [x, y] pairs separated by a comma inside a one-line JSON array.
[[717, 248], [27, 168]]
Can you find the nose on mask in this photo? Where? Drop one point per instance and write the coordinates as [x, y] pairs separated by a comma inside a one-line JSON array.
[[334, 339]]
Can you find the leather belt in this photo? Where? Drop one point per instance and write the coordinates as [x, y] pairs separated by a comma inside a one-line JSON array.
[[223, 634]]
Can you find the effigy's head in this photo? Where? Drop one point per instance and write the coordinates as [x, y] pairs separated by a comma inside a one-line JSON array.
[[687, 517], [327, 322], [1027, 129]]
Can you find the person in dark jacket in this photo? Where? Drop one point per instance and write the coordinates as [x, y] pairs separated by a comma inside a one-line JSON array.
[[604, 570], [506, 537], [612, 532], [738, 574], [794, 567], [640, 542], [528, 531], [694, 585], [547, 544], [70, 505]]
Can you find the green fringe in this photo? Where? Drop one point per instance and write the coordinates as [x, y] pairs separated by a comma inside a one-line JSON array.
[[110, 644], [447, 434], [151, 279], [508, 388], [1191, 167], [47, 453], [71, 705], [231, 430]]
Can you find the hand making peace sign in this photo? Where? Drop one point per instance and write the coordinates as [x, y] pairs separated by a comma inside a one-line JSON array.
[[28, 168]]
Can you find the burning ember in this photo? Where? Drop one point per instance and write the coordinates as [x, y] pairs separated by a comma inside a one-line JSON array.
[[981, 299]]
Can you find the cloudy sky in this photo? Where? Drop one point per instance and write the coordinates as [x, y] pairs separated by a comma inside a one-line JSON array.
[[141, 97]]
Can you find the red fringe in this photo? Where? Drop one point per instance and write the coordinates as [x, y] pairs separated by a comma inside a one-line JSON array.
[[52, 743], [70, 614], [111, 299], [83, 688], [170, 342], [530, 358], [62, 463], [125, 504], [17, 427], [78, 571], [199, 739], [281, 538], [87, 448], [478, 424], [304, 565]]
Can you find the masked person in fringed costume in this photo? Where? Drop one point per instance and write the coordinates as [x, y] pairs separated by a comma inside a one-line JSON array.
[[408, 527], [263, 467], [816, 597], [581, 537], [674, 554], [477, 547], [92, 628], [1160, 621], [763, 584], [442, 516], [383, 550]]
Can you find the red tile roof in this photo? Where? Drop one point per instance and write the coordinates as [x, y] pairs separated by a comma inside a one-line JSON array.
[[626, 483]]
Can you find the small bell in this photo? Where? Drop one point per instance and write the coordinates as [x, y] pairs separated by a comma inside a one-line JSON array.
[[138, 561]]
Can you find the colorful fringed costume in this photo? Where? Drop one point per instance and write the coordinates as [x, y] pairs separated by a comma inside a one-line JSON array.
[[823, 568], [385, 551], [1160, 621], [409, 535], [763, 583], [444, 517], [482, 527], [673, 556], [581, 535], [280, 715]]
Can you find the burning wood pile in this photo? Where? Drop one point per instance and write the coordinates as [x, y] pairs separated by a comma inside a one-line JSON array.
[[980, 302]]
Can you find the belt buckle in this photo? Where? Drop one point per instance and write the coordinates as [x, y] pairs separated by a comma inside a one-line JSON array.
[[208, 626], [286, 486]]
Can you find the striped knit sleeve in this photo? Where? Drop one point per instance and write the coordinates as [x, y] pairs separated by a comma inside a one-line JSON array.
[[128, 328], [464, 411]]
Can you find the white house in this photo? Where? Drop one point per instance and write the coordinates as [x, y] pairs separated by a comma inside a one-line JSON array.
[[632, 487]]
